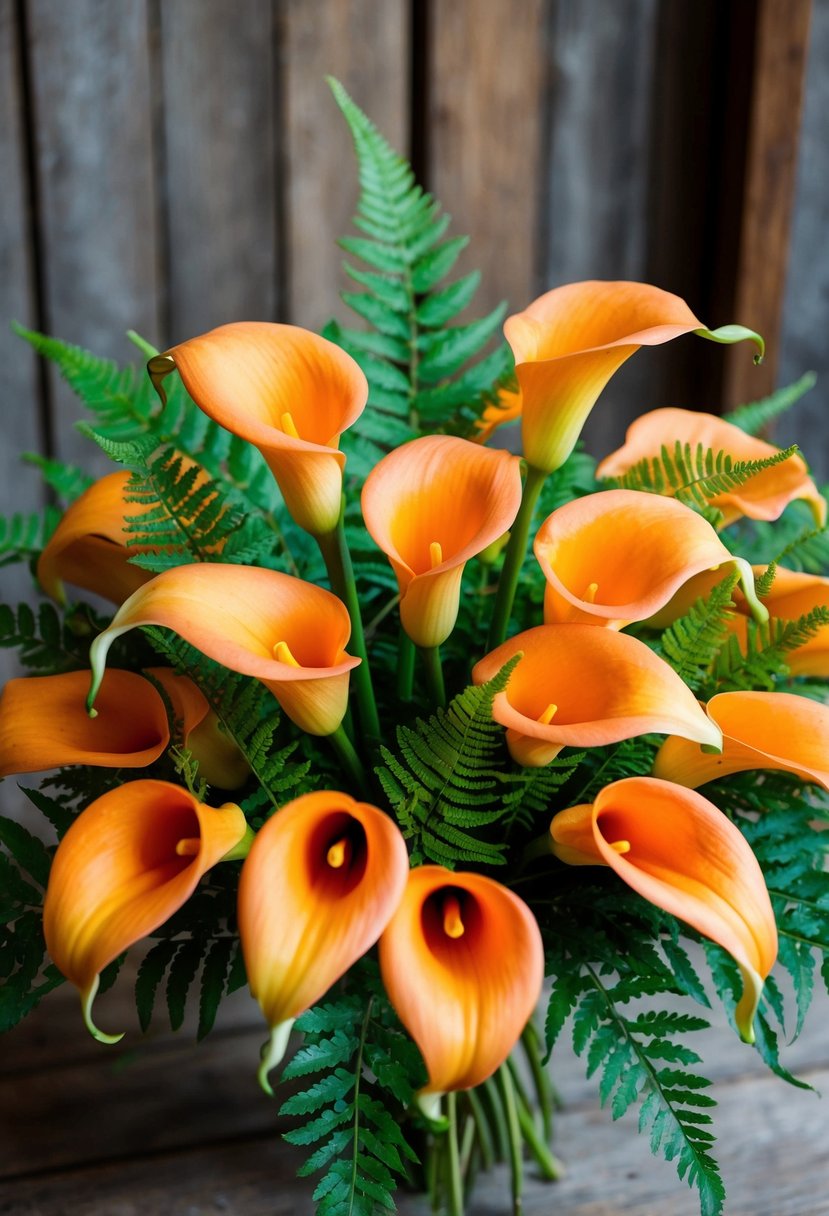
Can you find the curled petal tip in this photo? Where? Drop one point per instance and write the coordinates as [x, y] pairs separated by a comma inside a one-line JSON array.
[[747, 1005], [87, 999], [273, 1052], [429, 1106], [758, 610]]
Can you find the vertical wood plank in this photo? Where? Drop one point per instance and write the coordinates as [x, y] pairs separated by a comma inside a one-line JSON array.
[[365, 45], [803, 343], [485, 106], [774, 124], [91, 86], [219, 112]]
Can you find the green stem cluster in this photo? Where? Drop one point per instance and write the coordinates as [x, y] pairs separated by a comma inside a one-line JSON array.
[[514, 557]]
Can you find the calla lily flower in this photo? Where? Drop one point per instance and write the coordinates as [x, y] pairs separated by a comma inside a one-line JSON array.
[[792, 595], [678, 851], [569, 342], [287, 633], [89, 546], [128, 862], [764, 496], [577, 686], [463, 964], [761, 730], [620, 555], [431, 505], [287, 391], [320, 883], [219, 759], [506, 408]]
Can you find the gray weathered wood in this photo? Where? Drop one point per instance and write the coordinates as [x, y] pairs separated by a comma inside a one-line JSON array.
[[365, 45], [219, 94]]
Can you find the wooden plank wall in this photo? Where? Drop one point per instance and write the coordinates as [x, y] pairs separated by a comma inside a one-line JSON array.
[[169, 165]]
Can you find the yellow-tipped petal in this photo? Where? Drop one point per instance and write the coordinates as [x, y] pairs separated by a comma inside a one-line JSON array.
[[621, 555], [687, 857], [761, 730], [464, 998], [604, 686], [304, 921], [118, 875], [287, 391], [764, 496], [236, 615], [431, 505]]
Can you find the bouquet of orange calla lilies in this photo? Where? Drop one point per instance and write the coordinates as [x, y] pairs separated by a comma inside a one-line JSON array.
[[390, 721]]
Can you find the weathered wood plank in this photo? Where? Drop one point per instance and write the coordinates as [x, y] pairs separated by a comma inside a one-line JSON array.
[[365, 45], [782, 30], [485, 104], [219, 96], [92, 114], [806, 306]]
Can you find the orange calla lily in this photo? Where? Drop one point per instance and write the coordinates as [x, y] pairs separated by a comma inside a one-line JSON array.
[[128, 862], [620, 555], [431, 505], [320, 883], [569, 342], [506, 408], [577, 686], [44, 724], [287, 391], [678, 851], [463, 963], [761, 730], [287, 633], [792, 595], [89, 546], [219, 759], [764, 496]]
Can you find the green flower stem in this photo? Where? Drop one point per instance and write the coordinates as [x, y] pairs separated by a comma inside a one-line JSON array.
[[496, 1119], [551, 1168], [350, 761], [434, 674], [507, 1091], [482, 1129], [455, 1186], [337, 560], [543, 1088], [405, 666], [514, 557]]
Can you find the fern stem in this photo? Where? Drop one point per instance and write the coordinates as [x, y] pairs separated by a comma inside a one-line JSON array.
[[350, 761], [337, 558], [507, 1091], [434, 674], [358, 1070], [455, 1187], [514, 558], [405, 666]]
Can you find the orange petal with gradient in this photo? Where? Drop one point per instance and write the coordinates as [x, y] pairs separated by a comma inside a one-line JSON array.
[[577, 686], [506, 408], [463, 963], [431, 505], [794, 594], [322, 879], [761, 730], [764, 496], [568, 343], [287, 633], [620, 555], [128, 862], [288, 392], [44, 723], [678, 851]]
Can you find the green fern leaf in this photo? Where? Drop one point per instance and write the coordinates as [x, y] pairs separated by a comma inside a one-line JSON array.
[[693, 642], [752, 418]]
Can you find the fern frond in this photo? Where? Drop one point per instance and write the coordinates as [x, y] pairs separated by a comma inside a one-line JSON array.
[[752, 418], [24, 536], [763, 661], [808, 551], [693, 641], [67, 480]]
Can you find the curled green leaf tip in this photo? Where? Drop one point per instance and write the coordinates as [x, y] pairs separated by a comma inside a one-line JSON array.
[[86, 1005], [272, 1053], [729, 334]]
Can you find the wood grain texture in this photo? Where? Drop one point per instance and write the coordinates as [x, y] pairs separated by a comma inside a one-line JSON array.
[[219, 98], [92, 115], [364, 44], [486, 96], [774, 123]]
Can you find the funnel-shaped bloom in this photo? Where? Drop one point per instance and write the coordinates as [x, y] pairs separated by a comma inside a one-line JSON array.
[[620, 555], [569, 342], [431, 505], [320, 883], [128, 862], [288, 392], [463, 963], [576, 686], [44, 723], [764, 496], [287, 633], [761, 730], [89, 546], [678, 851]]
